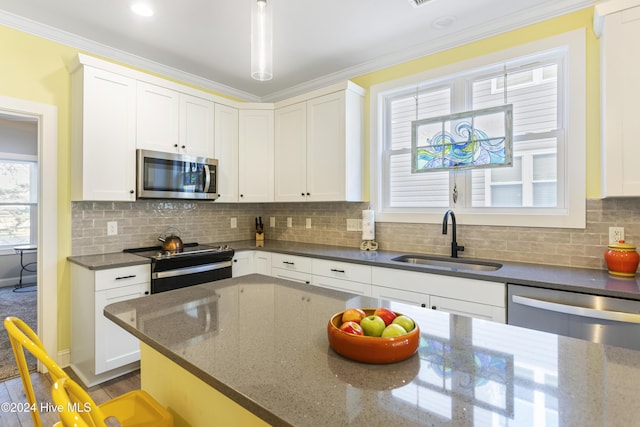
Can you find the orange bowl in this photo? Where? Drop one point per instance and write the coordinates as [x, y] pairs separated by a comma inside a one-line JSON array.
[[371, 349]]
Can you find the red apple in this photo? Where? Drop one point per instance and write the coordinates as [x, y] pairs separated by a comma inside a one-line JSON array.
[[353, 315], [352, 328], [385, 314]]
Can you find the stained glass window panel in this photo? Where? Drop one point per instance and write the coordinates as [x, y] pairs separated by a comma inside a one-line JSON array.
[[474, 139]]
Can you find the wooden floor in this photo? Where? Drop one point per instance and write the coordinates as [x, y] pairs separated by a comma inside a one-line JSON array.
[[11, 391]]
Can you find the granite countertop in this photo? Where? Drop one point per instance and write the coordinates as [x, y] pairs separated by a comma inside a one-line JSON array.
[[590, 281], [465, 372]]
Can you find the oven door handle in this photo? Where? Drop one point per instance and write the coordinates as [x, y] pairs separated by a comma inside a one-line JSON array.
[[190, 270], [616, 316]]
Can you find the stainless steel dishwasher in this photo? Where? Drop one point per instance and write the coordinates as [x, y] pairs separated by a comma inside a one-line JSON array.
[[604, 320]]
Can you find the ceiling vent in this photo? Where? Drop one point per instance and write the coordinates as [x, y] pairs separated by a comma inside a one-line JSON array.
[[418, 3]]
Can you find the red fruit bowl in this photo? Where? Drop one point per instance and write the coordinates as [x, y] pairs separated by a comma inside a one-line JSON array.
[[371, 349]]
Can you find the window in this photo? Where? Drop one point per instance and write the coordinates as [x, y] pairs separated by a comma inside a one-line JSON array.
[[18, 200], [545, 186]]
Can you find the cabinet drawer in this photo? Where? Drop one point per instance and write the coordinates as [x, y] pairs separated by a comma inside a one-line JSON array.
[[124, 276], [296, 276], [350, 286], [342, 270], [291, 262]]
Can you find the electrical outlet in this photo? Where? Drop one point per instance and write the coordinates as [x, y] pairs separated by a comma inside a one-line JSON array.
[[289, 222], [308, 223], [354, 224], [272, 222], [234, 222], [112, 228], [616, 234]]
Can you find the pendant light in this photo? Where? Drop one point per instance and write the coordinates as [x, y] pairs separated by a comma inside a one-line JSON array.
[[262, 40]]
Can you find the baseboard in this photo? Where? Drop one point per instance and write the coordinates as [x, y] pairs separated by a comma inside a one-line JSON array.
[[13, 281], [64, 358]]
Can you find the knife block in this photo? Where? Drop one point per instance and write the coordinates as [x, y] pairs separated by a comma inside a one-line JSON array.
[[259, 237]]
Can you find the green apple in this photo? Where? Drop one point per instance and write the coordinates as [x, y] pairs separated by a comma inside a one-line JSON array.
[[393, 330], [372, 326], [405, 321]]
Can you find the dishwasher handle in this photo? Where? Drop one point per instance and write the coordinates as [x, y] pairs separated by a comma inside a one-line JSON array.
[[616, 316]]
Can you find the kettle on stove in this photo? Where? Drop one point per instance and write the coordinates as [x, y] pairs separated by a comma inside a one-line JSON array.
[[171, 241]]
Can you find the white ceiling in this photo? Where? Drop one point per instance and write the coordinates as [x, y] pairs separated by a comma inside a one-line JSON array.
[[315, 42]]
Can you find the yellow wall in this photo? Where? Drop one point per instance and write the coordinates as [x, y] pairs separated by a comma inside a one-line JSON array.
[[581, 19], [35, 69]]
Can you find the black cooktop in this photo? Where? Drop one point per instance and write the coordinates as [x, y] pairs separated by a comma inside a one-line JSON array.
[[188, 249]]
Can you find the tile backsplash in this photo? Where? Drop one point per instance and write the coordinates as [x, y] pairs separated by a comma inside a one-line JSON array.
[[140, 224]]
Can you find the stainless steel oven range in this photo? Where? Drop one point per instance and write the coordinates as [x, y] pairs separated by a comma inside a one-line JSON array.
[[193, 265]]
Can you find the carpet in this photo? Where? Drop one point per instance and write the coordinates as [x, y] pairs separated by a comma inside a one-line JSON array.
[[21, 304]]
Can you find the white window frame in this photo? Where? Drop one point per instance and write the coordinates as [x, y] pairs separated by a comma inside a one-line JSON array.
[[33, 205], [572, 215]]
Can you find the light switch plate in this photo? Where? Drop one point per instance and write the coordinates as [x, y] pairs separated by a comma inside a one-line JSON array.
[[308, 223], [234, 222], [289, 222], [272, 221]]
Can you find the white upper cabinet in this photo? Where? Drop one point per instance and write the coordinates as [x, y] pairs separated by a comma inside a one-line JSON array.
[[103, 132], [196, 126], [255, 147], [170, 121], [291, 153], [226, 151], [158, 119], [620, 94], [319, 157]]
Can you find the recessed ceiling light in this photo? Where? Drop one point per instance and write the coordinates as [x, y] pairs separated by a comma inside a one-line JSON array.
[[142, 9], [443, 22]]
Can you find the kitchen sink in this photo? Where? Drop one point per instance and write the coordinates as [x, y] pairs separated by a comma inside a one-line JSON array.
[[453, 263]]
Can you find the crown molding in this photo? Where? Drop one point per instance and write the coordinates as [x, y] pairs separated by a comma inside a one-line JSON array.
[[89, 46], [498, 26]]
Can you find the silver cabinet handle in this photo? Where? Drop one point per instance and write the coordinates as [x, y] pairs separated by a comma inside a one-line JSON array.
[[335, 270], [288, 262], [125, 277], [617, 316]]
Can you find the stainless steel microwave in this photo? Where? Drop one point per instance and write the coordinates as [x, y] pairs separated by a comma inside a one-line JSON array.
[[175, 176]]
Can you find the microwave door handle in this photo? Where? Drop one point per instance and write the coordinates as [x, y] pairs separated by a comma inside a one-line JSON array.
[[207, 179]]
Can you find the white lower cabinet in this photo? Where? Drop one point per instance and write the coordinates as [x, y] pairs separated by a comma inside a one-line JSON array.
[[101, 350], [458, 295], [242, 264], [249, 262], [291, 267], [342, 276]]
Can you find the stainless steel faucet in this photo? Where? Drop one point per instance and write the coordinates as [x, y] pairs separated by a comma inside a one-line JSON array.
[[454, 244]]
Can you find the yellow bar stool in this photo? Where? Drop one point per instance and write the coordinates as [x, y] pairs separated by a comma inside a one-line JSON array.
[[77, 409], [136, 408]]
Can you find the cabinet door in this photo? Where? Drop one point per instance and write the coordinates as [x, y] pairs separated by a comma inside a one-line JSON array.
[[103, 136], [158, 113], [226, 151], [468, 308], [256, 156], [399, 295], [114, 346], [620, 94], [262, 262], [242, 263], [196, 126], [291, 153], [326, 147]]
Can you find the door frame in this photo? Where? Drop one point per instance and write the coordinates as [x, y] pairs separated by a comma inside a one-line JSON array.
[[47, 256]]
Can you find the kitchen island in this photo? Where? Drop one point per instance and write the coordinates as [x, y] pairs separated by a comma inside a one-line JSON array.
[[253, 350]]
